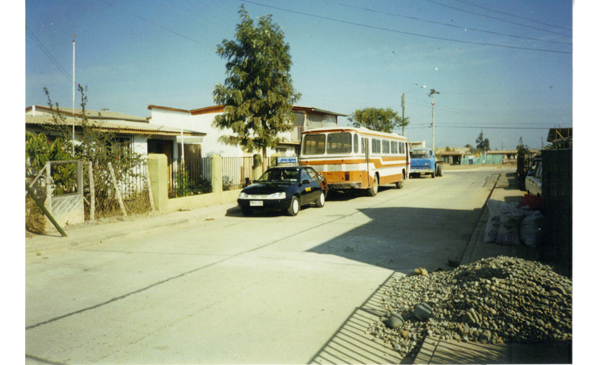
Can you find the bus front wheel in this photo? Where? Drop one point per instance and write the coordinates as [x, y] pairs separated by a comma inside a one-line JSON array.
[[373, 189]]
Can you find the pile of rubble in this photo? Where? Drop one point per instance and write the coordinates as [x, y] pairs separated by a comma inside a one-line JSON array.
[[494, 300]]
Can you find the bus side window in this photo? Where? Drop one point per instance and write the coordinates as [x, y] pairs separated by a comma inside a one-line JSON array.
[[376, 143], [356, 143]]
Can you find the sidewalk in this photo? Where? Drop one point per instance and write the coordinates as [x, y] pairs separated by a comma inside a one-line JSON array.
[[105, 229], [436, 351]]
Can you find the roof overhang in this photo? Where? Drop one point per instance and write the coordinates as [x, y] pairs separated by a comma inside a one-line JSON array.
[[122, 127]]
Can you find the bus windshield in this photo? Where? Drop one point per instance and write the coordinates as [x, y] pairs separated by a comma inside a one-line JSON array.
[[314, 144], [339, 143], [332, 143]]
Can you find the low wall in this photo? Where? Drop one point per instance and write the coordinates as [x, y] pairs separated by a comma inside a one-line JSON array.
[[202, 200], [159, 181], [482, 160]]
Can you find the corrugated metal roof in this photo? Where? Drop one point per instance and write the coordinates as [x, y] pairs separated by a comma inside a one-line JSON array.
[[121, 126], [91, 114]]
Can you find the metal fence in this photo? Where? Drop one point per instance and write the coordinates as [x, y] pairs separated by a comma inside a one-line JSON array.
[[557, 193], [191, 176], [237, 172]]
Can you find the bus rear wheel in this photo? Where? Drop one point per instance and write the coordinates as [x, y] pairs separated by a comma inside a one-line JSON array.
[[400, 184]]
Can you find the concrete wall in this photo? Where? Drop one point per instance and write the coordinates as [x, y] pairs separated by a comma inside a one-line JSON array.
[[159, 180], [482, 160], [203, 123]]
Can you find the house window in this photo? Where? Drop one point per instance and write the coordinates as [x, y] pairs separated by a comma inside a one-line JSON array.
[[298, 119]]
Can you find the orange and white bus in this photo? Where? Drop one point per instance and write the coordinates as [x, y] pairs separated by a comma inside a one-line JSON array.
[[356, 158]]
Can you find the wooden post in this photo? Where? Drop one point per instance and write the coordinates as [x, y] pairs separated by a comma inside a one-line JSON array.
[[117, 191], [92, 193], [48, 201]]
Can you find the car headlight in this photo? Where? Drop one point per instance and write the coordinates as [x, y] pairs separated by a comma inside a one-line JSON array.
[[280, 195], [426, 163], [243, 195]]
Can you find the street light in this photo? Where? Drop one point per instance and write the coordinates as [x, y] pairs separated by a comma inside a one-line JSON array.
[[404, 102], [432, 93]]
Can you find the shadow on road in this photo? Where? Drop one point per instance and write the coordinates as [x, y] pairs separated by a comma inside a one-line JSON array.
[[402, 239]]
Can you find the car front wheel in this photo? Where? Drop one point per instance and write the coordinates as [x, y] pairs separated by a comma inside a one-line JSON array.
[[321, 200], [294, 206]]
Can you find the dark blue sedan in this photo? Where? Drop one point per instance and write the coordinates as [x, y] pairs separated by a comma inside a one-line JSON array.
[[284, 189]]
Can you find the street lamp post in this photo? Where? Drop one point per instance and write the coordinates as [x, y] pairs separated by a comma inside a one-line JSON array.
[[404, 102], [432, 93]]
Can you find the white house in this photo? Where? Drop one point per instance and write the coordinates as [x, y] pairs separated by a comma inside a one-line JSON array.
[[202, 119], [138, 133]]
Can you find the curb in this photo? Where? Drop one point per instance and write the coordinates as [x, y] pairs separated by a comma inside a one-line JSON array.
[[478, 232]]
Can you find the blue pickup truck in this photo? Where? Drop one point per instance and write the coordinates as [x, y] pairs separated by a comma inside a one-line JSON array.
[[423, 161]]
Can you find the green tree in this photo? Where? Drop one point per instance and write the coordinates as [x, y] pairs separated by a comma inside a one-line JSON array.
[[257, 94], [483, 144], [383, 120]]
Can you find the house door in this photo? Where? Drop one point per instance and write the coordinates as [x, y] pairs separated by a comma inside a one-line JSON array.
[[165, 147]]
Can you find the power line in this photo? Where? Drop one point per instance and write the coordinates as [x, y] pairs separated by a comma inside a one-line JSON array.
[[493, 17], [516, 16], [49, 55], [451, 25], [156, 24], [477, 127], [408, 33]]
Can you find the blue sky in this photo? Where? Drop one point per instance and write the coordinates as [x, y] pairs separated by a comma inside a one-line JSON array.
[[504, 67]]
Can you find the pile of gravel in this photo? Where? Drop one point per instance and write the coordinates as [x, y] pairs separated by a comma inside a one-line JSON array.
[[494, 300]]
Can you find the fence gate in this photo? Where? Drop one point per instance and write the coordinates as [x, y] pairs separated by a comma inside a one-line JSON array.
[[65, 208]]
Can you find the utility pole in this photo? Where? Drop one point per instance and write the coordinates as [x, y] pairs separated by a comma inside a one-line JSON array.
[[432, 93], [404, 102], [73, 108]]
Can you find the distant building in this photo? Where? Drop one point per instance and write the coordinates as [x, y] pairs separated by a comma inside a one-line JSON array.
[[450, 157], [507, 156], [416, 144]]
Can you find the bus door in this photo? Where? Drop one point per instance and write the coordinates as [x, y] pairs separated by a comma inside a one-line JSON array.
[[365, 142]]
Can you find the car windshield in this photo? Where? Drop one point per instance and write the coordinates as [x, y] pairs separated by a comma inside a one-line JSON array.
[[280, 176], [419, 154]]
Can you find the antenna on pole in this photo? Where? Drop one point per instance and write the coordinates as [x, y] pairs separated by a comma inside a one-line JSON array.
[[73, 110]]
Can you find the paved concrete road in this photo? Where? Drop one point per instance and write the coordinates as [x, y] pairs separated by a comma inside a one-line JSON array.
[[271, 289]]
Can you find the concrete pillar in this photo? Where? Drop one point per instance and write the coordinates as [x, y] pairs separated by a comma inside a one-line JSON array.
[[216, 166], [158, 170]]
